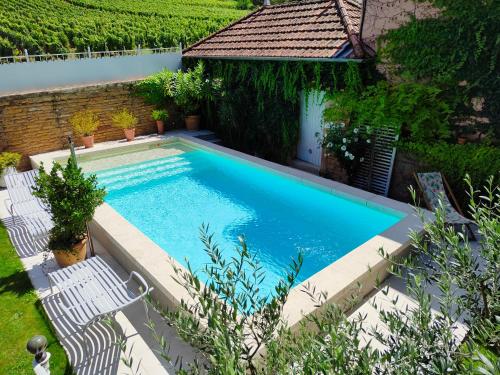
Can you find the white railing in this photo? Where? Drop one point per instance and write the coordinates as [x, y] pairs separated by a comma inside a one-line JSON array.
[[85, 55]]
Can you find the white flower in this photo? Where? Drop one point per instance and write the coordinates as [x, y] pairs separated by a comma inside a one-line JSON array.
[[355, 130], [368, 141], [344, 140], [346, 154], [343, 148], [351, 156], [362, 160], [342, 125], [329, 145]]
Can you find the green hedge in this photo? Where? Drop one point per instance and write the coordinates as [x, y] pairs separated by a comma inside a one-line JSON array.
[[455, 161]]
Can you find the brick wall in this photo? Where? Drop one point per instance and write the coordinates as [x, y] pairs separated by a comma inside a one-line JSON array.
[[35, 123]]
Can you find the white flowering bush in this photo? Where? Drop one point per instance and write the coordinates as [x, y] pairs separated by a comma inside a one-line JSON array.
[[348, 144]]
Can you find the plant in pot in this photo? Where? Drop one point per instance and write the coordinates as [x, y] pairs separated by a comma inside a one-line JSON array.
[[84, 124], [73, 199], [160, 116], [126, 121], [8, 164], [188, 89]]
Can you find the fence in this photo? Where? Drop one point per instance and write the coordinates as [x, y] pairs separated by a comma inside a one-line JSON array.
[[26, 57], [29, 73]]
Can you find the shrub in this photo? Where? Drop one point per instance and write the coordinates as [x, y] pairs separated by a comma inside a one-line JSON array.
[[84, 123], [72, 199], [348, 144], [188, 89], [9, 159], [414, 109], [152, 89], [455, 161], [124, 119], [159, 114]]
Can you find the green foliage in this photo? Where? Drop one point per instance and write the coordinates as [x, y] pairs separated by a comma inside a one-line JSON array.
[[455, 161], [9, 159], [259, 102], [417, 110], [159, 114], [152, 88], [72, 198], [231, 319], [457, 50], [244, 4], [468, 281], [326, 344], [22, 316], [84, 123], [348, 143], [124, 119], [188, 89], [62, 26]]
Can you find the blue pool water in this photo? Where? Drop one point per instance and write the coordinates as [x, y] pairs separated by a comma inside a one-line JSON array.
[[169, 198]]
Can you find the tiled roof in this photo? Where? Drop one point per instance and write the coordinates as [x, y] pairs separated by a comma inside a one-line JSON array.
[[307, 29]]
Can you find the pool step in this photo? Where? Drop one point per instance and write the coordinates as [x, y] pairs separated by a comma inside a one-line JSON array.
[[127, 176]]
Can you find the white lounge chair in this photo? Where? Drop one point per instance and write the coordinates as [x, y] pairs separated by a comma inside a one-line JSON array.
[[91, 291], [23, 204], [432, 185]]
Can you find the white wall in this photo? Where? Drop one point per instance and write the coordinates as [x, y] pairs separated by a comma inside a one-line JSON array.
[[34, 76]]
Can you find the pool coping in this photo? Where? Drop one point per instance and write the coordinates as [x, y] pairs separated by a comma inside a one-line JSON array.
[[356, 273]]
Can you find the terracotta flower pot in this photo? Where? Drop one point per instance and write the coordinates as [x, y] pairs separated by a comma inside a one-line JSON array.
[[65, 258], [129, 134], [192, 122], [88, 141], [160, 125], [461, 140]]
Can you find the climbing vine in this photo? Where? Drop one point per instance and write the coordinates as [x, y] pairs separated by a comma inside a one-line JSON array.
[[257, 109], [457, 50]]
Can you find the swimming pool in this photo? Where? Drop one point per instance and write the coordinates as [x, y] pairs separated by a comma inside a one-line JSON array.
[[171, 193], [281, 210]]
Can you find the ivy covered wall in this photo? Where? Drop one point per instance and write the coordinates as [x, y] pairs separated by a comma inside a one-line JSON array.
[[256, 108]]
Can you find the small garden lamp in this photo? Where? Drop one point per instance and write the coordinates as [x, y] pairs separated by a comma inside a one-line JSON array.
[[37, 346]]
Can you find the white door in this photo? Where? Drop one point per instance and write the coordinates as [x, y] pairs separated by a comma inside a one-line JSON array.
[[311, 127]]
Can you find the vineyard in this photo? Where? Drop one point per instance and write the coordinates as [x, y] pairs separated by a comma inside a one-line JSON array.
[[59, 26]]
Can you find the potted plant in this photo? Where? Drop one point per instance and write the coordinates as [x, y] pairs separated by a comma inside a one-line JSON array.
[[84, 124], [126, 121], [73, 199], [8, 164], [160, 116], [188, 90]]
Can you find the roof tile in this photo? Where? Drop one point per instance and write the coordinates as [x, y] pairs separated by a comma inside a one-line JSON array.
[[308, 29]]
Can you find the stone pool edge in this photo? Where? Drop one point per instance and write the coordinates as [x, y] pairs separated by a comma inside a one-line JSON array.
[[363, 265]]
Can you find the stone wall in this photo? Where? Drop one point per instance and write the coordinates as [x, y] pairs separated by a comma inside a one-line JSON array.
[[384, 15], [37, 122]]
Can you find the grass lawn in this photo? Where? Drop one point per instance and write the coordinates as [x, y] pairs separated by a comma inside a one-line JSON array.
[[21, 317]]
